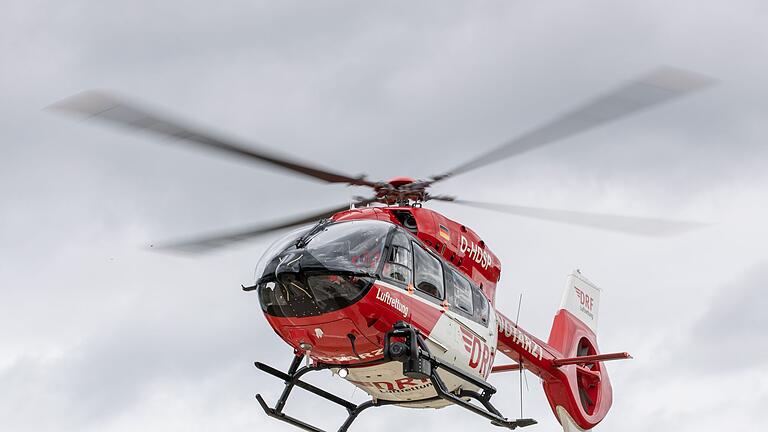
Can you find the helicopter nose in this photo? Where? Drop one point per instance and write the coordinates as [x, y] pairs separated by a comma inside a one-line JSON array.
[[331, 339]]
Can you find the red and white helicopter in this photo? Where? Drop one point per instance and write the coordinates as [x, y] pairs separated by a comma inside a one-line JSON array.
[[399, 300]]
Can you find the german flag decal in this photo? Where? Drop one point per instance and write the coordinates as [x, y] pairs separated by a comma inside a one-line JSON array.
[[445, 232]]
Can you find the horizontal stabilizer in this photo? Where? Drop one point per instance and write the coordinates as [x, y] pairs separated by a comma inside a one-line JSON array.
[[591, 359]]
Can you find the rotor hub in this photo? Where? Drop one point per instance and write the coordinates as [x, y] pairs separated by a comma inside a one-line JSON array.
[[401, 191], [397, 182]]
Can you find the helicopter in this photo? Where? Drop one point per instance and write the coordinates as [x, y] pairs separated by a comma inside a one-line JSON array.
[[398, 299]]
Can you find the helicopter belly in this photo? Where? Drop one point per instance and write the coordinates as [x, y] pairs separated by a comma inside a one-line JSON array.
[[386, 381], [447, 341]]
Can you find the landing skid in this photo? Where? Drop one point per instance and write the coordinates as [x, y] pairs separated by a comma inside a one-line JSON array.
[[293, 379], [408, 348]]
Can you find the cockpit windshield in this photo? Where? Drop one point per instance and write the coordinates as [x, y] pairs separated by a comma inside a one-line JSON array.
[[354, 247], [320, 269], [277, 247]]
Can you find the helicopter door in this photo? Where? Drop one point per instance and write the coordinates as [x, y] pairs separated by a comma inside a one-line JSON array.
[[429, 284], [469, 310], [460, 311]]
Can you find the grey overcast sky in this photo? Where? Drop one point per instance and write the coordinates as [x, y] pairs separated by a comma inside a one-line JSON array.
[[97, 334]]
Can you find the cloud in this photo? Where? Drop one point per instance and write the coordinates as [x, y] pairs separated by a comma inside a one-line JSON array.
[[730, 334], [113, 372]]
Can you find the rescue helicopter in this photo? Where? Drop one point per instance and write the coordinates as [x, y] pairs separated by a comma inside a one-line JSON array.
[[398, 299]]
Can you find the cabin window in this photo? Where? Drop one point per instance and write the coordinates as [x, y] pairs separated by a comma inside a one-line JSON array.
[[461, 291], [465, 298], [428, 273], [482, 308], [398, 265]]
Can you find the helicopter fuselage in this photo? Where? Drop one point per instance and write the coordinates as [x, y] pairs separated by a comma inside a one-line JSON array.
[[419, 267]]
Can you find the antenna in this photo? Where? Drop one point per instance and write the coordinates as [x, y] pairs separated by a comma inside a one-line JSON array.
[[517, 321], [521, 387]]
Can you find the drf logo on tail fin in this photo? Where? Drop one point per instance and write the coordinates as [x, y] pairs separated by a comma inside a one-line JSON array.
[[586, 302]]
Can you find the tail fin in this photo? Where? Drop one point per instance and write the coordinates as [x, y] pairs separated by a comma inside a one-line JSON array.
[[581, 395]]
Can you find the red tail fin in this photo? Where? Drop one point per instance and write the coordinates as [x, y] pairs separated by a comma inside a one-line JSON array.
[[580, 395]]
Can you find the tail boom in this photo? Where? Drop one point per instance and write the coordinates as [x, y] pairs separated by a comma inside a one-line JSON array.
[[524, 348]]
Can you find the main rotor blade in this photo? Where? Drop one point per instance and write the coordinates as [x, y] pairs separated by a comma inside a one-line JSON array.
[[104, 106], [642, 226], [660, 86], [222, 239]]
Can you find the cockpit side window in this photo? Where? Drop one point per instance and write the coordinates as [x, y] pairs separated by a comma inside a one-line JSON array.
[[399, 262], [428, 273]]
